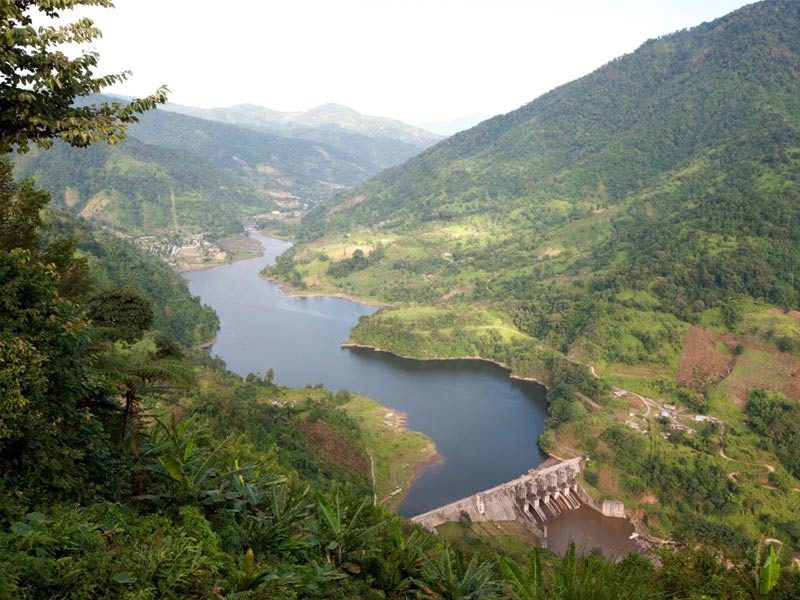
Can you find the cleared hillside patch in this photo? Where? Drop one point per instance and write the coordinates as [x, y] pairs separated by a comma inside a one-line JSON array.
[[707, 358]]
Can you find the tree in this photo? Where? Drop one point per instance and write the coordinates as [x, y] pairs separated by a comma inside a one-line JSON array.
[[121, 314], [39, 82], [47, 380], [20, 219]]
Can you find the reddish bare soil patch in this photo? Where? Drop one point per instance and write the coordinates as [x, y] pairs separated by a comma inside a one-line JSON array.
[[635, 370], [791, 388], [457, 291], [648, 499], [607, 479], [324, 437], [704, 359]]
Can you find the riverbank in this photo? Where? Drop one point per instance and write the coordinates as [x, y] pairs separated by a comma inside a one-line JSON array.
[[502, 365], [641, 539], [458, 403], [206, 345], [399, 456], [294, 293]]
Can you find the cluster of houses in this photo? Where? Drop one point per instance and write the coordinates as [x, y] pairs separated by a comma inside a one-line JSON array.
[[176, 249], [668, 416]]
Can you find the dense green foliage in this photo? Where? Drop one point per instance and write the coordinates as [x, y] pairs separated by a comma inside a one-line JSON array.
[[594, 227], [218, 501], [115, 263], [774, 417], [230, 487], [139, 189], [130, 468]]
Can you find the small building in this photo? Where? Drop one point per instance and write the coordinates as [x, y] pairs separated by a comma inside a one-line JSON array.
[[684, 428]]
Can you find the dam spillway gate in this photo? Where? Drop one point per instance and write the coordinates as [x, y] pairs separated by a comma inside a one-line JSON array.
[[530, 499]]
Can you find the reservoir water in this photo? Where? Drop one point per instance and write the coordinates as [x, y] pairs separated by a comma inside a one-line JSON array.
[[484, 424]]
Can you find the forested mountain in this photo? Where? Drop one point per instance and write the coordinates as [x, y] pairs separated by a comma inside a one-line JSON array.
[[115, 263], [331, 116], [134, 467], [377, 141], [176, 172], [672, 170], [139, 188], [638, 227], [282, 166]]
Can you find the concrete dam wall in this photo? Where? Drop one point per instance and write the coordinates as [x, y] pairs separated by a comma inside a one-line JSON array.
[[530, 499]]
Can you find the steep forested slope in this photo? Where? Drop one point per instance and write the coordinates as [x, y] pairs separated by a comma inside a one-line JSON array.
[[115, 263], [612, 133], [139, 188], [671, 171]]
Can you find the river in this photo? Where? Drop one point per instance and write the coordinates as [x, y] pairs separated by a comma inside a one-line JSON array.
[[484, 424]]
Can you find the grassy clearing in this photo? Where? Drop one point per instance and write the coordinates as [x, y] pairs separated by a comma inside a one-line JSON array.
[[395, 451], [773, 328]]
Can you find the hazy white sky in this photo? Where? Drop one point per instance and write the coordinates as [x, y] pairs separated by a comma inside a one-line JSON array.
[[415, 60]]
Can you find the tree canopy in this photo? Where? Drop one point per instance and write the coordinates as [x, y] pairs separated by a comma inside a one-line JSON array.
[[40, 80]]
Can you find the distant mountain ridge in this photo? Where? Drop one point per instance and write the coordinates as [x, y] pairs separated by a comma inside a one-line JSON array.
[[179, 172], [329, 115]]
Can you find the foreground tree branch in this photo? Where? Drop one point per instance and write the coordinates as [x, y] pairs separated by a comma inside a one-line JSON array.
[[39, 82]]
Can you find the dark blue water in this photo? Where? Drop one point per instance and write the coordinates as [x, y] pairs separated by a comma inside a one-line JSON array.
[[483, 423]]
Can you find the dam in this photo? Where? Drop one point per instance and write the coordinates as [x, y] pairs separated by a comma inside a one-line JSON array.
[[531, 499]]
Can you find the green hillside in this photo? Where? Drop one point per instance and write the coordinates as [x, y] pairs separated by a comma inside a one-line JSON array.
[[138, 188], [180, 173], [642, 224], [132, 467], [114, 263], [668, 175], [283, 166], [378, 153]]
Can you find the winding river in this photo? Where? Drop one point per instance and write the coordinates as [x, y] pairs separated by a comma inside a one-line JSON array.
[[484, 424]]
